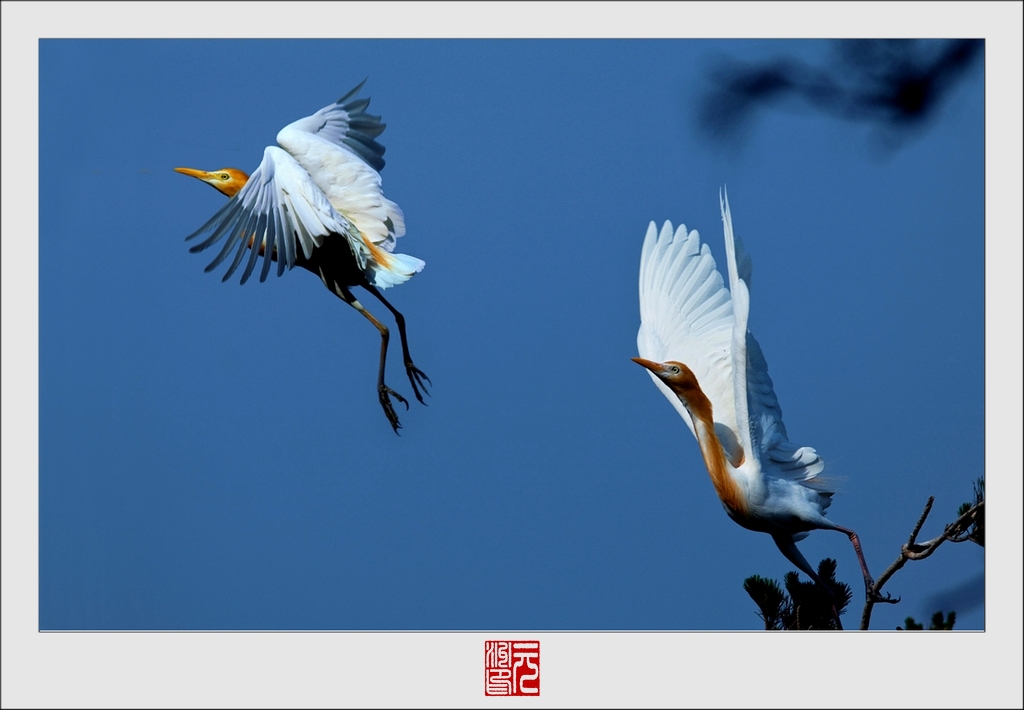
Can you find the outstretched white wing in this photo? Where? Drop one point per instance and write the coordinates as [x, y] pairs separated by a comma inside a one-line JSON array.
[[322, 181], [337, 146], [281, 210], [686, 315], [346, 124], [756, 403]]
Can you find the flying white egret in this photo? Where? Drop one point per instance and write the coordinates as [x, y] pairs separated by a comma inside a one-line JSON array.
[[318, 204], [694, 341]]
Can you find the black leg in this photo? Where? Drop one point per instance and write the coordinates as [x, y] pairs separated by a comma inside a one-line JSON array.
[[384, 393], [416, 376]]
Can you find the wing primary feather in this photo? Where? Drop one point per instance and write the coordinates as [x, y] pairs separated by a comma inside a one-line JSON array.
[[740, 264], [663, 267], [652, 232], [357, 106], [673, 267], [254, 250], [254, 202], [288, 237], [229, 243], [268, 248], [345, 124], [263, 208], [259, 235], [226, 215], [686, 282], [240, 237], [352, 93], [698, 296], [232, 204], [274, 237], [369, 150], [370, 125], [741, 310], [234, 263]]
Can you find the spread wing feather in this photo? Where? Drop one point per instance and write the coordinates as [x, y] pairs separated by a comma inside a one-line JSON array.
[[346, 124], [338, 140], [755, 393], [279, 207], [686, 316], [324, 182]]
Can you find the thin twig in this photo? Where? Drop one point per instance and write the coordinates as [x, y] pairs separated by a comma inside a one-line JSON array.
[[957, 531], [952, 532], [920, 521]]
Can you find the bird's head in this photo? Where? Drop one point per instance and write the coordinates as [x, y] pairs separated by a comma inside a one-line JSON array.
[[678, 378], [226, 180]]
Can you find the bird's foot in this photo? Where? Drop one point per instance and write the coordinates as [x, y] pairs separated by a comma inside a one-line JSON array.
[[416, 377], [384, 393], [882, 599], [876, 597]]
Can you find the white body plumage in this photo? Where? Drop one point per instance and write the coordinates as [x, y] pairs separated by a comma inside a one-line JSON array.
[[316, 201], [694, 342], [322, 183]]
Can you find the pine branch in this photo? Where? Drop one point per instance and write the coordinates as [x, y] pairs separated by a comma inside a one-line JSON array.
[[803, 605]]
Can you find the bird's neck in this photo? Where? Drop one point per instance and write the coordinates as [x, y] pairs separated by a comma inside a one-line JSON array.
[[726, 486]]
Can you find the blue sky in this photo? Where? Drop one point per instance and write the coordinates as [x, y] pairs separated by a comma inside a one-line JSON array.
[[212, 456]]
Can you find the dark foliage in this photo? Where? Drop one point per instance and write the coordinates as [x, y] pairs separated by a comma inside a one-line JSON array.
[[804, 605], [938, 623], [976, 531], [894, 85]]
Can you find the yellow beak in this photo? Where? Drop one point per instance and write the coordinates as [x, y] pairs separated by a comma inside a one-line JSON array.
[[201, 174]]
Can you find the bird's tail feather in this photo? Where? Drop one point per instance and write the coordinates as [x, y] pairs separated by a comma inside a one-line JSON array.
[[401, 268]]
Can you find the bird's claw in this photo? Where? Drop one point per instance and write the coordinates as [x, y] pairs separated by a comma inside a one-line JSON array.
[[385, 393], [876, 597], [880, 599], [416, 377]]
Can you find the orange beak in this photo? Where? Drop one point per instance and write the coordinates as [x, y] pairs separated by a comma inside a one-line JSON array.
[[656, 367]]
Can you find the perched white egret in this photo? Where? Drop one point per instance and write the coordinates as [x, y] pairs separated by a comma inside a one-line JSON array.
[[317, 202], [694, 341]]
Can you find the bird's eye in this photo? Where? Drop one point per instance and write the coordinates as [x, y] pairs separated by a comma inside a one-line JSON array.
[[224, 176], [675, 369]]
